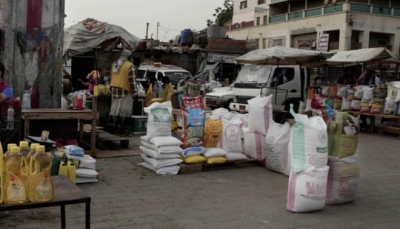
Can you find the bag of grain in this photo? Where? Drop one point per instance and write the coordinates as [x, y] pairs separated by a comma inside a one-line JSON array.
[[260, 112], [277, 144], [159, 119]]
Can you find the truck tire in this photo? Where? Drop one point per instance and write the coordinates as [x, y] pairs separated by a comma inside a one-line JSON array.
[[228, 104]]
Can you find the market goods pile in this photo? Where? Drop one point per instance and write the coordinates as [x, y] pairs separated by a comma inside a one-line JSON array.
[[317, 153]]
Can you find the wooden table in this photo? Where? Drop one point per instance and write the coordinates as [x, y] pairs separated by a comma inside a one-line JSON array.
[[373, 127], [65, 193], [51, 114]]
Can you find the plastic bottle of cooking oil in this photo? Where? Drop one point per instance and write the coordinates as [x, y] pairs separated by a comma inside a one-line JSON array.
[[1, 174], [8, 149], [31, 152], [71, 171], [40, 185], [24, 150], [14, 186]]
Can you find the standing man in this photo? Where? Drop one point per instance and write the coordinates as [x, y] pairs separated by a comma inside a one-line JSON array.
[[6, 91], [122, 89]]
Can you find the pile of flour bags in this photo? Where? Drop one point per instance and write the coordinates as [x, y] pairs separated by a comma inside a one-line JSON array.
[[317, 153]]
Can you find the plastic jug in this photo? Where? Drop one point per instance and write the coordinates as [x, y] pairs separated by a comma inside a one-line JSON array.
[[24, 148], [71, 171], [1, 174], [26, 100], [14, 186], [8, 149], [41, 187]]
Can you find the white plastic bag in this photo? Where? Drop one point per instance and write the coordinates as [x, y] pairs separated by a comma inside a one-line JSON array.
[[307, 190], [254, 144], [156, 155], [160, 163], [231, 136], [165, 141], [308, 146], [162, 149], [260, 112], [168, 170], [159, 119], [277, 144], [214, 152], [235, 156]]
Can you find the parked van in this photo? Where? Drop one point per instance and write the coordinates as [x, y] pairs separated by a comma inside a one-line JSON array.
[[174, 73], [288, 84]]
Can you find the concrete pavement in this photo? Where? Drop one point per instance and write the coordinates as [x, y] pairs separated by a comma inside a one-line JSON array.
[[129, 196]]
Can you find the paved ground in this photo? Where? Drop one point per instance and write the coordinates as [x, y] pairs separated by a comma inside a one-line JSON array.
[[129, 196]]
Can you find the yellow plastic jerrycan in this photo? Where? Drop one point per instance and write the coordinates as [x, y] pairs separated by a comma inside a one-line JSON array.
[[71, 171], [41, 187], [15, 188]]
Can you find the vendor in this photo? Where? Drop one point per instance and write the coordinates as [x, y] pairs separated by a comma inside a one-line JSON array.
[[368, 77], [92, 80], [6, 91]]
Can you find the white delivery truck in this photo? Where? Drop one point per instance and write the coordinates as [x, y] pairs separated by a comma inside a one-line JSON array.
[[288, 84]]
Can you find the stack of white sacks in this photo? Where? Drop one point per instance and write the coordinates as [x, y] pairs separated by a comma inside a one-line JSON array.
[[308, 155], [161, 152], [86, 165]]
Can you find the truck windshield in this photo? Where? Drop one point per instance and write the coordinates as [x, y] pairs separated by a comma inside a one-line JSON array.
[[254, 74]]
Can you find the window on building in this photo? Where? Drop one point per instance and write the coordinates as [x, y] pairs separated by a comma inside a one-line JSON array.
[[261, 2], [243, 5], [265, 19], [264, 44], [277, 42], [258, 21]]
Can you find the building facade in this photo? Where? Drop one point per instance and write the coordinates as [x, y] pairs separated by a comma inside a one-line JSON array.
[[329, 25]]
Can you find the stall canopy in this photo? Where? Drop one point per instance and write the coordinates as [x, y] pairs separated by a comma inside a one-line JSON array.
[[360, 56], [279, 55], [90, 33]]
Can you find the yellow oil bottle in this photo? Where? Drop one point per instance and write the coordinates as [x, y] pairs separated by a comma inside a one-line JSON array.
[[71, 171], [1, 174], [8, 149], [14, 186], [41, 187], [24, 148], [32, 152]]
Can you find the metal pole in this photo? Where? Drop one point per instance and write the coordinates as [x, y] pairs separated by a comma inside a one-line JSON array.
[[158, 24], [147, 29]]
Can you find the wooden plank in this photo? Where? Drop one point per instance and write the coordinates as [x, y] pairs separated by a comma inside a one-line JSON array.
[[388, 129], [374, 115]]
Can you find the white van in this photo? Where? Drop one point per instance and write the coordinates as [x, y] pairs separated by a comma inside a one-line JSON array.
[[174, 73]]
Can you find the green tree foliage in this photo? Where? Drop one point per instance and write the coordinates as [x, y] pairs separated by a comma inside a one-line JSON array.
[[222, 15]]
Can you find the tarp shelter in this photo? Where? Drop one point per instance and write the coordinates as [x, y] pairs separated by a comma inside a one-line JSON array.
[[90, 33], [279, 55], [360, 56]]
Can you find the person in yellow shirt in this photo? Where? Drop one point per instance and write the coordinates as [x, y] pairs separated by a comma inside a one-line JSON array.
[[122, 87]]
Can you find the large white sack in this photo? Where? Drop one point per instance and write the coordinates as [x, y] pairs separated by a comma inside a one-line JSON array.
[[260, 112], [218, 113], [343, 180], [162, 149], [235, 157], [254, 144], [308, 146], [158, 163], [165, 141], [307, 190], [231, 140], [277, 140], [156, 155], [168, 170], [159, 119]]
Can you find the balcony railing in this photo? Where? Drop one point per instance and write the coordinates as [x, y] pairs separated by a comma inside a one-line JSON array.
[[339, 7], [295, 15], [277, 18]]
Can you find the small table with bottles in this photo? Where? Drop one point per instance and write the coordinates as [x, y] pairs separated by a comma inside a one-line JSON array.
[[65, 193]]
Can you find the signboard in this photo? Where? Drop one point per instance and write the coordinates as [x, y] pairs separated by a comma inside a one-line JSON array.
[[323, 44], [226, 45], [226, 58], [304, 44]]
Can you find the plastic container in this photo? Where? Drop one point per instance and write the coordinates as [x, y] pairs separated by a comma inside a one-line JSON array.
[[10, 118], [26, 100], [216, 31], [24, 148], [1, 173], [8, 149], [186, 36], [138, 125], [14, 186], [71, 171], [41, 187]]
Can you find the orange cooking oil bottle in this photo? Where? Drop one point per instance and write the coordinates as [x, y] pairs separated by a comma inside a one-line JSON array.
[[14, 186], [1, 174], [8, 149], [41, 187]]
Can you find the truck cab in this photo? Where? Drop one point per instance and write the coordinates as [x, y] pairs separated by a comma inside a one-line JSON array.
[[287, 83], [174, 73]]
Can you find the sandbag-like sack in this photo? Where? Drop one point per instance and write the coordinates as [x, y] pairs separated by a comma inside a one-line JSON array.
[[308, 146], [260, 113], [212, 132], [307, 190], [159, 119], [194, 116], [254, 144], [277, 145]]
